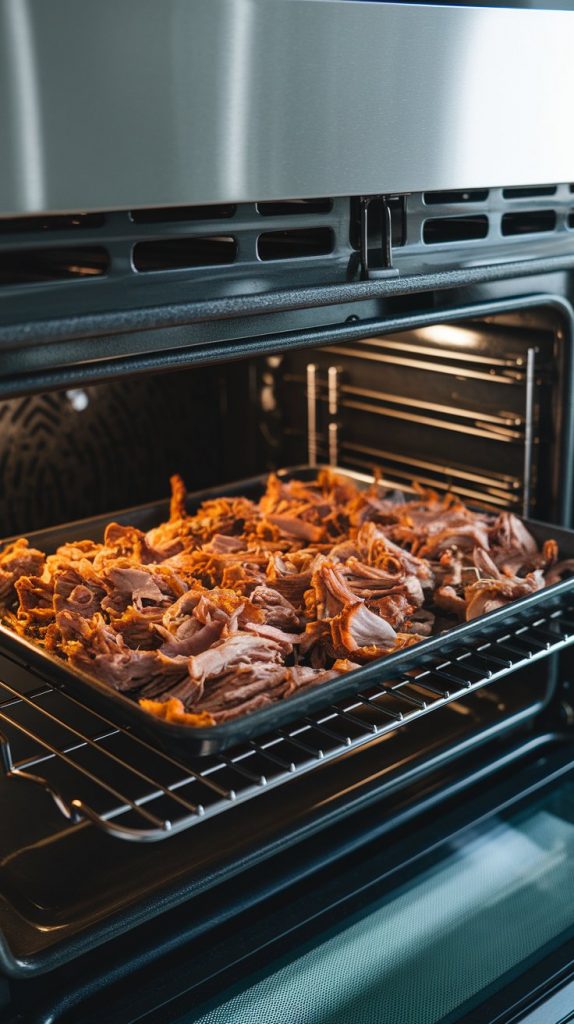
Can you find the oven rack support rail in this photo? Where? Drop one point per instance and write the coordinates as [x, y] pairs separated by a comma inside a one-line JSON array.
[[96, 771]]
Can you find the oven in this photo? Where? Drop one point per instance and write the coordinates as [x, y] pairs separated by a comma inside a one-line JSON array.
[[236, 237]]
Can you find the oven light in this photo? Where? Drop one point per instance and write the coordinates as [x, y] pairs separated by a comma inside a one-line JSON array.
[[78, 399], [445, 334], [83, 270]]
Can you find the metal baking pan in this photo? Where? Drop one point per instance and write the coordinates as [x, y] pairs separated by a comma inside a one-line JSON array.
[[183, 740]]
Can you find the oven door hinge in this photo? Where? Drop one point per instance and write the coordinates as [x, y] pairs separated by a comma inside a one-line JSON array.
[[378, 261]]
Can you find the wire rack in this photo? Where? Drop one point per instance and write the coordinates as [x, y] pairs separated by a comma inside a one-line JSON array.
[[97, 771]]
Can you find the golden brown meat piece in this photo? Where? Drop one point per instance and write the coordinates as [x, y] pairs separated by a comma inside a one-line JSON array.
[[177, 506], [172, 710], [18, 559], [35, 603]]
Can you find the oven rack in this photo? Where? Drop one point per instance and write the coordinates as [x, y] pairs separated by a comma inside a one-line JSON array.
[[98, 771]]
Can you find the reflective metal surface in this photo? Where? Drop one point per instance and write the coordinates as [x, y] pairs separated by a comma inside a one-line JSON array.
[[136, 103], [437, 945]]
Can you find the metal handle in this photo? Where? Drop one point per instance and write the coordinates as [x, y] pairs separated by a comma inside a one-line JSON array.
[[76, 810], [69, 811]]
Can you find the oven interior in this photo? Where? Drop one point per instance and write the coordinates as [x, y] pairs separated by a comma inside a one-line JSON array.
[[299, 345], [480, 405]]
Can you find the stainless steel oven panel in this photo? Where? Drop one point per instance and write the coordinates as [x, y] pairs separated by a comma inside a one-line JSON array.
[[136, 103]]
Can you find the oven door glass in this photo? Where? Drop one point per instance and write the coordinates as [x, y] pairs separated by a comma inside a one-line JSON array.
[[498, 898]]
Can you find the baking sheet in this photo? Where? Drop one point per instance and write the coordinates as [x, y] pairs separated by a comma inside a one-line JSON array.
[[180, 739]]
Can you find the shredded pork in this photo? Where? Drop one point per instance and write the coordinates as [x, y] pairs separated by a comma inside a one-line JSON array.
[[215, 614]]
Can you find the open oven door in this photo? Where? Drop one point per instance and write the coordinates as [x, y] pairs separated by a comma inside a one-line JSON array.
[[425, 910], [467, 930], [478, 927]]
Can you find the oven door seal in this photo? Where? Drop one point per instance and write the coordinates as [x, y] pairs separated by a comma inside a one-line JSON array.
[[83, 350]]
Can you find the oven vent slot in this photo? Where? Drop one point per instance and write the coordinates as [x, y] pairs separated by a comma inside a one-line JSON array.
[[444, 230], [292, 207], [34, 266], [295, 244], [169, 215], [182, 253], [528, 222], [51, 222], [246, 251], [529, 192], [475, 195]]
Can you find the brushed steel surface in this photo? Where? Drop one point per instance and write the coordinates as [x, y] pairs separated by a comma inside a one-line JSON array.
[[127, 103]]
